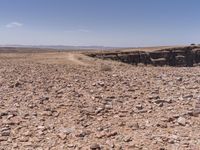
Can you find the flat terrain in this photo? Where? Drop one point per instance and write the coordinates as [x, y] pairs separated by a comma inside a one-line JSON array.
[[66, 100]]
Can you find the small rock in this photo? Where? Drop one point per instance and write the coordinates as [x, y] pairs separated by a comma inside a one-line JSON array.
[[161, 125], [134, 126], [108, 106], [128, 139], [181, 121], [195, 112], [173, 139], [179, 79], [111, 134], [160, 105], [5, 131], [95, 146], [100, 135], [17, 84], [82, 134], [71, 145], [67, 130], [189, 96], [3, 114], [110, 143], [62, 136], [139, 107], [101, 83], [23, 139], [98, 110], [4, 138]]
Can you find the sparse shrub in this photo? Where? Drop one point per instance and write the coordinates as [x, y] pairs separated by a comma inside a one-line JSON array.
[[79, 58], [105, 67]]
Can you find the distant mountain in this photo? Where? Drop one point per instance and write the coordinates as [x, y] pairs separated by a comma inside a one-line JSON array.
[[62, 47]]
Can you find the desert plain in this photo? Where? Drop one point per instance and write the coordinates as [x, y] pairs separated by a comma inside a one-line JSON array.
[[60, 100]]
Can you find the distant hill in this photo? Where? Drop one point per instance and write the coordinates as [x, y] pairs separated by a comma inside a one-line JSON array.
[[62, 47]]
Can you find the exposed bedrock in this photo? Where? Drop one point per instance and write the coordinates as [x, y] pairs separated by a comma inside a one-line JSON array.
[[179, 57]]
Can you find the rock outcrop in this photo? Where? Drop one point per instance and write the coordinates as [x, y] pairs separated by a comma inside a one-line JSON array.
[[178, 57]]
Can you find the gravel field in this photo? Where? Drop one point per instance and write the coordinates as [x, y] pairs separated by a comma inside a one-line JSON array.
[[67, 101]]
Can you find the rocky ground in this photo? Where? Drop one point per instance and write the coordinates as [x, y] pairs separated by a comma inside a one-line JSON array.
[[52, 102]]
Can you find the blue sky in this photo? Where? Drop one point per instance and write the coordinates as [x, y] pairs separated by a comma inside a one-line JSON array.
[[100, 22]]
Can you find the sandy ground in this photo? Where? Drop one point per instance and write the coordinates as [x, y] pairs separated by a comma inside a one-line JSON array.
[[62, 100]]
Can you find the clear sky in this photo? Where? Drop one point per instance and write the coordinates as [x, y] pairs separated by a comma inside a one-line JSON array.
[[100, 22]]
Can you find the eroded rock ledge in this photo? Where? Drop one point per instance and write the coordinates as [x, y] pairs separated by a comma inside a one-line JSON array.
[[178, 57]]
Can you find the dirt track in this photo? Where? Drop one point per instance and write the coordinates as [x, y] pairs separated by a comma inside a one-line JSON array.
[[53, 101]]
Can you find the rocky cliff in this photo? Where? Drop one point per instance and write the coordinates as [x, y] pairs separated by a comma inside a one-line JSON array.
[[179, 57]]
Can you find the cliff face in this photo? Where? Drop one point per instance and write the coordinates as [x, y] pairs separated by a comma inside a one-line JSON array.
[[179, 57]]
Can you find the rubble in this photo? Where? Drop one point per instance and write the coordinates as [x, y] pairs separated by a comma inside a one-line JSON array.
[[74, 106]]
